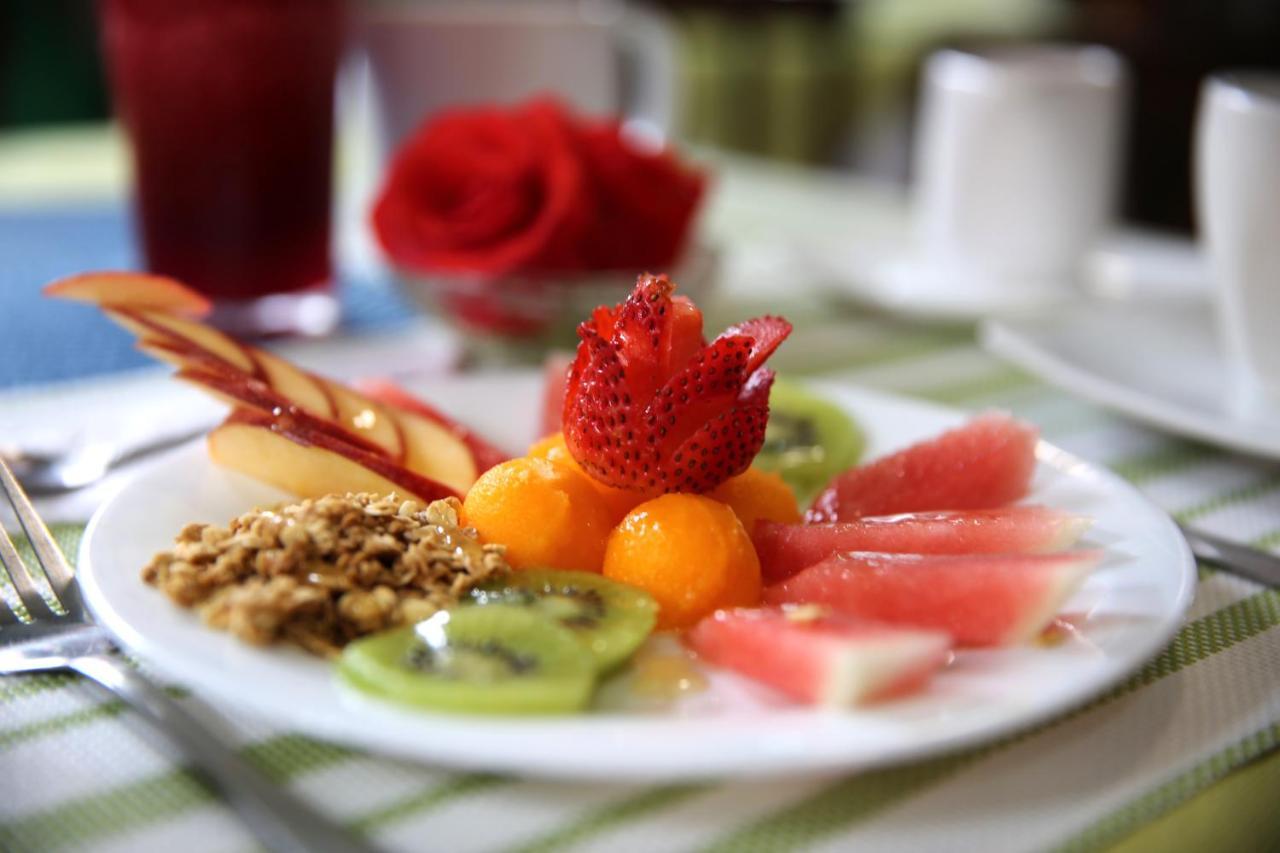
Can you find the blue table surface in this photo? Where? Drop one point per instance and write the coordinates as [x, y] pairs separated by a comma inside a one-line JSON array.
[[43, 340]]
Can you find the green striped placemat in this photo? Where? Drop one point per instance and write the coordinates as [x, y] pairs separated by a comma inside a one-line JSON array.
[[76, 774]]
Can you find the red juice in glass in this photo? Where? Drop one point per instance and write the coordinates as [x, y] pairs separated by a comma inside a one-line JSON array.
[[229, 108]]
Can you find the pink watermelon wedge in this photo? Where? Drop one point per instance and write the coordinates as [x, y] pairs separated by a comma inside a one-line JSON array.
[[785, 549], [819, 658], [979, 599], [988, 462]]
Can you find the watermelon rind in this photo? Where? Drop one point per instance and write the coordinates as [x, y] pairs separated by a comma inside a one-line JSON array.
[[877, 670]]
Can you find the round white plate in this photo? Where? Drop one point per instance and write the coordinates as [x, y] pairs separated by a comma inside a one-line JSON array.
[[1157, 361], [1124, 614]]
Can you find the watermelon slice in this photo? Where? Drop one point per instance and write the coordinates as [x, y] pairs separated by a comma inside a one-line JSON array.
[[785, 549], [979, 599], [988, 462], [555, 377], [820, 658]]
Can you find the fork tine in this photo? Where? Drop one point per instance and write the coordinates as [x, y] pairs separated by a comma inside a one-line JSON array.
[[7, 616], [21, 579], [55, 565]]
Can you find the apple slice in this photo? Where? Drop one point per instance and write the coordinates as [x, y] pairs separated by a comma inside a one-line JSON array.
[[138, 291], [484, 454], [367, 419], [420, 441], [195, 339], [190, 344], [433, 451], [242, 392], [310, 464], [307, 391]]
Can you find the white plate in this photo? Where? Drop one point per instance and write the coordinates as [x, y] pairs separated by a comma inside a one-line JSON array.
[[1156, 361], [1125, 613]]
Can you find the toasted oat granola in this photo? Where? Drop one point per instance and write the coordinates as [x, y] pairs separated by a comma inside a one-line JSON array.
[[323, 572]]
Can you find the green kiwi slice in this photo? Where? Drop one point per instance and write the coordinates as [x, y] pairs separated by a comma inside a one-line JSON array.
[[488, 660], [809, 439], [610, 619]]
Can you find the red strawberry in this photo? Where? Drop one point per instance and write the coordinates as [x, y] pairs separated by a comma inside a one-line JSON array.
[[651, 406]]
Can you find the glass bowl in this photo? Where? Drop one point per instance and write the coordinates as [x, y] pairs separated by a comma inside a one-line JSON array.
[[520, 318]]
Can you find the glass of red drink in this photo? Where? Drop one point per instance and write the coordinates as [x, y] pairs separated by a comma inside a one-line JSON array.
[[229, 108]]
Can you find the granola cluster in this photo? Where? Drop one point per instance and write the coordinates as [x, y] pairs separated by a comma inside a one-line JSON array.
[[323, 572]]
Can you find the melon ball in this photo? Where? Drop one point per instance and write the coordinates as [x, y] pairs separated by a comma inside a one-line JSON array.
[[755, 495], [546, 515], [690, 552], [619, 502]]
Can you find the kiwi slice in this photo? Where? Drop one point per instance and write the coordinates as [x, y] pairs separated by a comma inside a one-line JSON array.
[[809, 439], [610, 619], [489, 660]]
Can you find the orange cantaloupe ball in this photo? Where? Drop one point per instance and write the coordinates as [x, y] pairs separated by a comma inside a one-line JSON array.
[[690, 552], [756, 495], [547, 515], [619, 501]]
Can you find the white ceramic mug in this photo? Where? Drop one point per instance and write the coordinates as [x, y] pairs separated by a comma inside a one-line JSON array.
[[1016, 160], [601, 57], [1237, 181]]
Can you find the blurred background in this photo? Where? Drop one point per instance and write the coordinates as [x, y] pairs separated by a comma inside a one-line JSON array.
[[825, 82]]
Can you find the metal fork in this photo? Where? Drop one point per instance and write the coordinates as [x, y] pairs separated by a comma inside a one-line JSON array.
[[70, 640]]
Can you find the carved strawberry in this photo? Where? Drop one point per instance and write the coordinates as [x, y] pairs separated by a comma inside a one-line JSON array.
[[651, 406]]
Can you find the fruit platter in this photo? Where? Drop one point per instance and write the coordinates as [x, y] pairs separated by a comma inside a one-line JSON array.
[[653, 559]]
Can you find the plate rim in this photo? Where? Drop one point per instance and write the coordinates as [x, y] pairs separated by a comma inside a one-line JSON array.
[[759, 765], [1004, 339]]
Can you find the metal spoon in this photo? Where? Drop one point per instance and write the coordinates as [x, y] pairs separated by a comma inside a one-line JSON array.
[[83, 464]]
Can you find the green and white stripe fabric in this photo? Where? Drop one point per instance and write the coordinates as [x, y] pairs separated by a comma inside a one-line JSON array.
[[77, 773]]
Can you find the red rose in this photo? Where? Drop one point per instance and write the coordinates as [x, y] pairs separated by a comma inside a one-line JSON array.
[[485, 190], [532, 189], [645, 200]]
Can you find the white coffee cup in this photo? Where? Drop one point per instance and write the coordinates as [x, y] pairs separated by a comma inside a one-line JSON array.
[[601, 57], [1017, 153], [1237, 182]]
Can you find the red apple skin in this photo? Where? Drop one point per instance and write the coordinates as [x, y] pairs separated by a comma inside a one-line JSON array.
[[141, 291], [247, 380], [248, 393], [236, 356], [177, 352], [153, 308], [300, 428], [182, 347], [389, 393]]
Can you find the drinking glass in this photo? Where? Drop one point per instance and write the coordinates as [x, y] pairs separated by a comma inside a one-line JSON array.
[[228, 105]]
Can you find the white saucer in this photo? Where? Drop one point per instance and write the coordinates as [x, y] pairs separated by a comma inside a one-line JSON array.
[[902, 283], [1129, 263], [1156, 361]]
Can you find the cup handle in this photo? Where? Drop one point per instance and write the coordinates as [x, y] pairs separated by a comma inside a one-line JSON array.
[[647, 54]]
